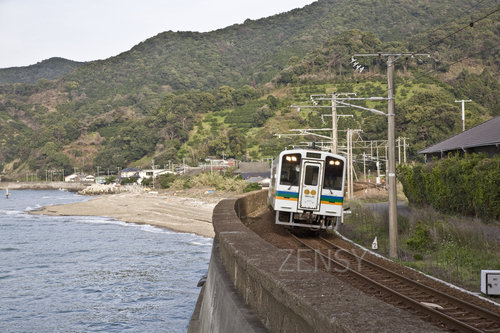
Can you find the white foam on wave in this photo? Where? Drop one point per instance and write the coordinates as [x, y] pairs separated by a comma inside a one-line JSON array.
[[155, 230], [200, 243], [94, 220], [11, 212], [106, 220]]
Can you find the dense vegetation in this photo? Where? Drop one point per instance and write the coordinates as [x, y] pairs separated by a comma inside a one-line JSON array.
[[451, 248], [190, 95], [466, 185], [50, 69]]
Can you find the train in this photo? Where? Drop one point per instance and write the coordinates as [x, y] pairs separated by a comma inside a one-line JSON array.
[[307, 188]]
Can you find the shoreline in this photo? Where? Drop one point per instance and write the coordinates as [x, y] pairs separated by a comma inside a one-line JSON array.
[[71, 187], [189, 214]]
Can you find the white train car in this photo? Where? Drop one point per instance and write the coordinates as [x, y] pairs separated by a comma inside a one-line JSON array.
[[307, 188]]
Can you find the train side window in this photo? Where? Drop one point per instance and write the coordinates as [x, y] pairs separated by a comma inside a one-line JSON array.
[[290, 170], [334, 171], [311, 176]]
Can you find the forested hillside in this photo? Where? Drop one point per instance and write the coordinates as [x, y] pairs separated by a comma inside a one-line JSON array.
[[189, 95], [50, 69]]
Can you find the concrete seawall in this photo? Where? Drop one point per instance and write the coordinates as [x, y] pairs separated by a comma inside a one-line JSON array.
[[252, 286]]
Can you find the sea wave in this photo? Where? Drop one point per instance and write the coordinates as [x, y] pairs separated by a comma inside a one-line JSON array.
[[11, 212]]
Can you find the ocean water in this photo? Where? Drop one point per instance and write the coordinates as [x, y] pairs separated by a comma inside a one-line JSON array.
[[93, 274]]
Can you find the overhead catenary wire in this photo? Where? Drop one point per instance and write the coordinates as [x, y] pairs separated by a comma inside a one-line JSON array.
[[426, 33], [466, 57], [469, 25], [462, 28]]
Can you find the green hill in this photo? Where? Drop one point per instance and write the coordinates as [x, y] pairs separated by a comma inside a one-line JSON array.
[[189, 95], [50, 69]]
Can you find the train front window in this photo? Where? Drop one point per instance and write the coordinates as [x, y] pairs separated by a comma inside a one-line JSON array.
[[311, 176], [290, 170], [334, 171]]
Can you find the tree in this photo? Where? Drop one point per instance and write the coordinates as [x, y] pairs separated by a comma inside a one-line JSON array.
[[224, 97]]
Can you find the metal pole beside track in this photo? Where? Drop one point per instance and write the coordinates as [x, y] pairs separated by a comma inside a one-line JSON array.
[[393, 221]]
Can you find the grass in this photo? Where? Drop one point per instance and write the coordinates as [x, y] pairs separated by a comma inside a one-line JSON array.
[[215, 181], [452, 248]]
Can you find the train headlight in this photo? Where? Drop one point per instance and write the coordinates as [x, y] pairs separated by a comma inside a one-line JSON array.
[[294, 158], [288, 158], [337, 162]]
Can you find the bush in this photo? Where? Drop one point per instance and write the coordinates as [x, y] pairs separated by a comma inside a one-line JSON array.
[[252, 187], [206, 180], [166, 180], [420, 240], [129, 180], [468, 185]]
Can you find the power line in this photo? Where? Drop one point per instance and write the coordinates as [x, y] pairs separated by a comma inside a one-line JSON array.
[[426, 33], [469, 25], [465, 57]]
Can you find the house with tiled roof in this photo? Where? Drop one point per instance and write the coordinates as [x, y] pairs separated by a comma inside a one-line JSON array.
[[482, 138]]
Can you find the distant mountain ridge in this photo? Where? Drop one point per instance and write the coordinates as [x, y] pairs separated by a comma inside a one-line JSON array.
[[49, 69], [255, 51], [190, 95]]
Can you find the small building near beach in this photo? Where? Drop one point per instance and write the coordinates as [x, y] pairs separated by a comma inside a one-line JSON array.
[[78, 177], [129, 172]]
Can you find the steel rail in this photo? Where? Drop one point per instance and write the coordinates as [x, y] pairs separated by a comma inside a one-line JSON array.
[[449, 298], [446, 319]]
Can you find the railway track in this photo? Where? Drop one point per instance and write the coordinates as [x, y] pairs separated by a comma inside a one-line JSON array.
[[432, 305]]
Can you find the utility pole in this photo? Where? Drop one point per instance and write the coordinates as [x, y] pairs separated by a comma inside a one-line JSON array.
[[364, 167], [334, 123], [393, 214], [154, 168], [350, 168], [399, 150], [333, 98], [404, 150], [391, 176], [463, 101], [349, 164]]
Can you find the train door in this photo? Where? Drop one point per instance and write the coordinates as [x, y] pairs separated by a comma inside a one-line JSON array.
[[310, 185]]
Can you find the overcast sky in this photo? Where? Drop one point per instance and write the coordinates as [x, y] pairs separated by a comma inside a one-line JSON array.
[[83, 30]]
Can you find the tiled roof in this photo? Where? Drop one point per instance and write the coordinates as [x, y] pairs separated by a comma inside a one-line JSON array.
[[130, 170], [485, 134]]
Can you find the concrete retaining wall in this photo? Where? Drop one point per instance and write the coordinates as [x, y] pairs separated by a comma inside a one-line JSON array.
[[278, 291]]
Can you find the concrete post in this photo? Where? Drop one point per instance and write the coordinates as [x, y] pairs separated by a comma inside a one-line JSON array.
[[391, 177]]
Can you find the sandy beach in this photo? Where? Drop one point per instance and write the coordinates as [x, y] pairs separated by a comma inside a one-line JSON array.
[[182, 214]]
